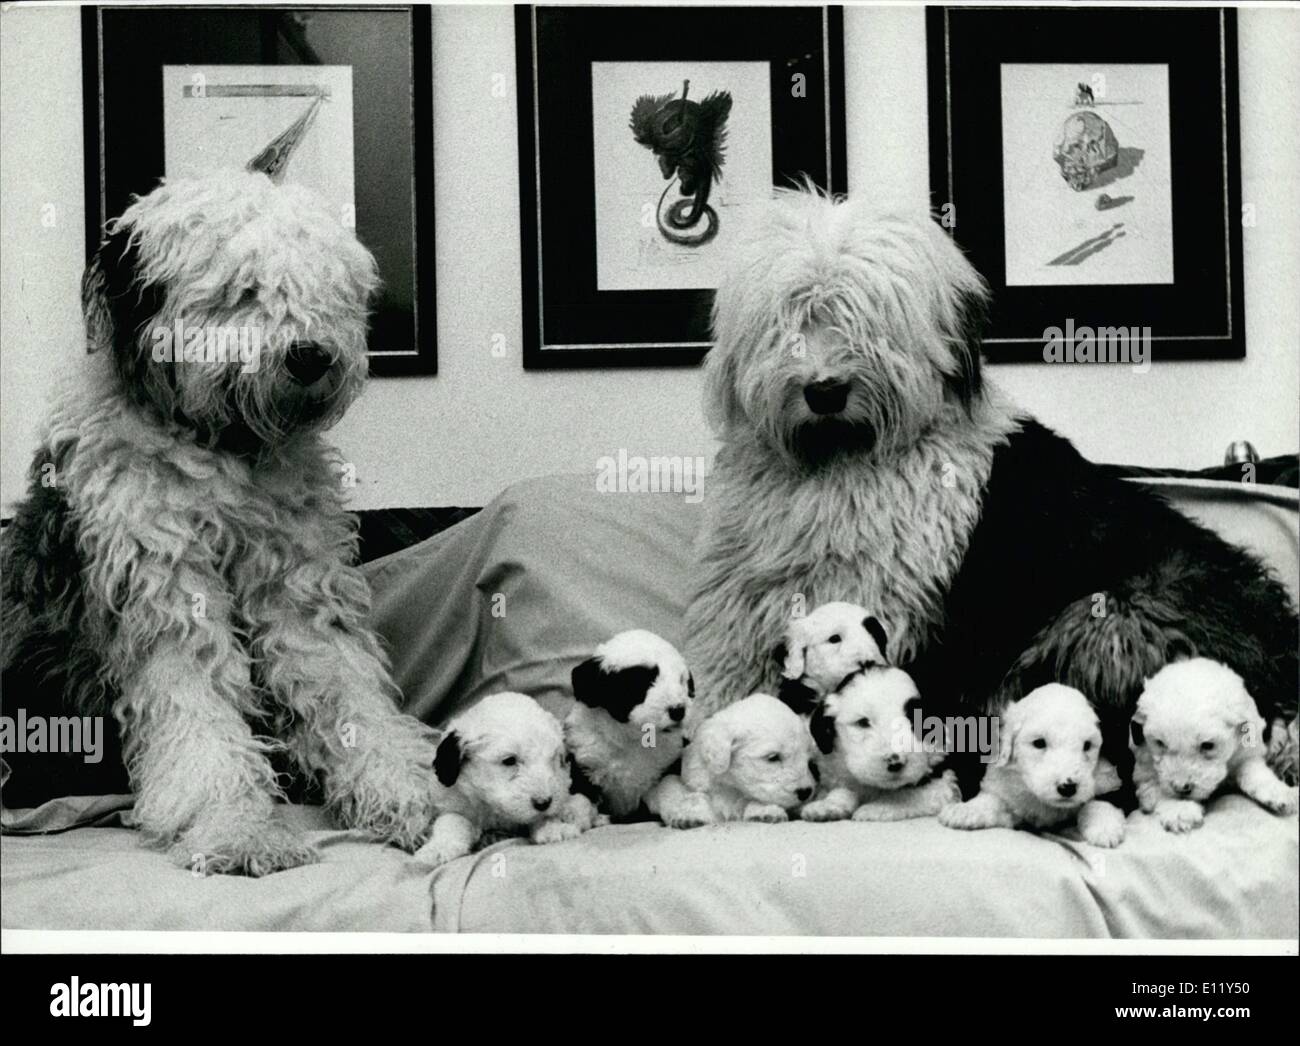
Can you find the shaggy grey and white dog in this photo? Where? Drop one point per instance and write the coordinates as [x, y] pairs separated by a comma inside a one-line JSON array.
[[863, 459], [184, 560]]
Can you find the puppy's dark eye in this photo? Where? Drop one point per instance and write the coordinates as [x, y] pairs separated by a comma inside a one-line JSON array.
[[775, 757], [510, 760], [1087, 746], [1160, 745], [834, 639], [1040, 742], [1207, 747], [864, 723]]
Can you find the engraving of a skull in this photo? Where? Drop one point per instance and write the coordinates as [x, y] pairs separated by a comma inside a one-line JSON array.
[[1086, 147]]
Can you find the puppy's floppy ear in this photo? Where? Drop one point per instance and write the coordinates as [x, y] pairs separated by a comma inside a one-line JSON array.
[[822, 728], [448, 759], [709, 754], [1242, 714], [1008, 728], [877, 632], [799, 697], [617, 692]]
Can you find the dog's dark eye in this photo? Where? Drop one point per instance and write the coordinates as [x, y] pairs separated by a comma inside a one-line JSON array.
[[1040, 742], [775, 757], [1087, 746], [1207, 747], [510, 760], [1160, 745], [864, 723], [834, 639]]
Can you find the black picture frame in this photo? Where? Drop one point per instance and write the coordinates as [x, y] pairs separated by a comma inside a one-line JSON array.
[[389, 48], [1200, 315], [567, 321]]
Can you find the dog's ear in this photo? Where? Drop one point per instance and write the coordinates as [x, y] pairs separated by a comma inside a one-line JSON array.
[[448, 759], [1008, 728], [877, 632], [1242, 714], [799, 697], [790, 657], [822, 727], [617, 692], [964, 381], [709, 754]]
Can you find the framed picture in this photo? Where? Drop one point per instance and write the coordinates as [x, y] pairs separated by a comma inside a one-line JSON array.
[[181, 91], [646, 138], [1088, 161]]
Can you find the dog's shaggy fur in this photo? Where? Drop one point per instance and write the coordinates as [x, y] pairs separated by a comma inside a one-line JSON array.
[[1048, 771], [1195, 730], [503, 768], [752, 761], [184, 560], [864, 459], [625, 727], [823, 649], [873, 766]]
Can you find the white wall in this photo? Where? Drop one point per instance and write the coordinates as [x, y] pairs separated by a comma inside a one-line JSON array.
[[483, 422]]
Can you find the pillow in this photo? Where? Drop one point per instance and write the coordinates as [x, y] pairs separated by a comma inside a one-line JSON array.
[[515, 596]]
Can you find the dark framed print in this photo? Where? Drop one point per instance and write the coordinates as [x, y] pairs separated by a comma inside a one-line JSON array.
[[647, 136], [177, 91], [1088, 162]]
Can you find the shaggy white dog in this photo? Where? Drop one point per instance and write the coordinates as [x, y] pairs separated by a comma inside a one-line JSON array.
[[625, 728], [873, 765], [750, 762], [1047, 772], [502, 767], [1196, 729], [823, 648]]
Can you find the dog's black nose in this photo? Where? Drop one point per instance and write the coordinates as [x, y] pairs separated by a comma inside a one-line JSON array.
[[826, 397], [894, 764], [677, 713], [803, 793], [542, 805], [1184, 789], [307, 362], [1066, 789]]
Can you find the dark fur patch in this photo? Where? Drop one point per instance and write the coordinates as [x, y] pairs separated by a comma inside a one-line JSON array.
[[1137, 734], [818, 442], [448, 759], [800, 697], [617, 692], [966, 383], [877, 632], [822, 728], [779, 653], [581, 784]]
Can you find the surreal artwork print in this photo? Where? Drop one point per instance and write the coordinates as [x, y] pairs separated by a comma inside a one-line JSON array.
[[296, 120], [1086, 174], [682, 151]]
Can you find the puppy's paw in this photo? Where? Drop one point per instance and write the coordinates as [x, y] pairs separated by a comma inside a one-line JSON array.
[[966, 816], [255, 849], [823, 810], [882, 812], [689, 811], [1101, 824], [435, 853], [766, 813], [1180, 815], [555, 831], [1280, 800]]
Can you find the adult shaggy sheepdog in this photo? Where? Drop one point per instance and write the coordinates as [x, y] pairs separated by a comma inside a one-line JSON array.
[[183, 558], [863, 459]]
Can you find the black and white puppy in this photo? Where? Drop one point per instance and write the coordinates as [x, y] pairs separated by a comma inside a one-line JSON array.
[[625, 728], [822, 649]]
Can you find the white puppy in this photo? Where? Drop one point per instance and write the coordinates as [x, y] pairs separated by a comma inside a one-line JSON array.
[[502, 768], [1047, 772], [873, 766], [823, 648], [1196, 728], [625, 729], [751, 761]]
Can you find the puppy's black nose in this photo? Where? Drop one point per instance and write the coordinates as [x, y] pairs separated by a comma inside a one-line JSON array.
[[1184, 789], [894, 764], [307, 362], [1066, 789], [826, 397], [803, 793], [677, 713], [542, 805]]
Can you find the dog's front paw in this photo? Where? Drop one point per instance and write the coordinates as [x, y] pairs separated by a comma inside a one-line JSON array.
[[1101, 824], [1180, 815], [256, 849], [766, 813], [555, 831], [823, 810], [966, 816], [1278, 798], [881, 812], [691, 810], [393, 801], [437, 852]]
